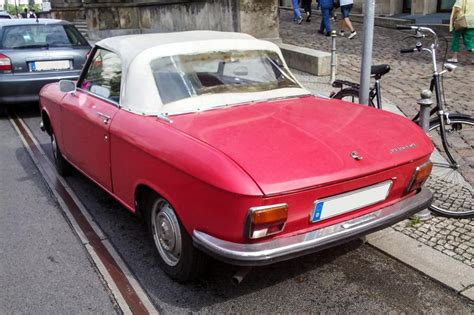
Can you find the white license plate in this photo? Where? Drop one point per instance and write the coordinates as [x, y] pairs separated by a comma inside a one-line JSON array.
[[50, 65], [353, 200]]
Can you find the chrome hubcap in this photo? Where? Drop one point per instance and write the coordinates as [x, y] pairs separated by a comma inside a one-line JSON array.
[[166, 232]]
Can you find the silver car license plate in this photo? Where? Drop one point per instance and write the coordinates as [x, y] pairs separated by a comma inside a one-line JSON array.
[[352, 200], [51, 65]]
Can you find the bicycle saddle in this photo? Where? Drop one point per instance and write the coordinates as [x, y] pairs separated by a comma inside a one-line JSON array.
[[379, 70]]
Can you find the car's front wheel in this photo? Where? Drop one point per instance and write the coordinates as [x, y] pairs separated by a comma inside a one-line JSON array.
[[176, 254], [62, 166]]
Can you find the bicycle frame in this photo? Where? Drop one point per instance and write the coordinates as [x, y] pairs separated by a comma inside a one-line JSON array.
[[435, 84]]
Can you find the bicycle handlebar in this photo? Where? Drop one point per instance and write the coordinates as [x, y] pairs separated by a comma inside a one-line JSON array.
[[408, 50], [406, 27]]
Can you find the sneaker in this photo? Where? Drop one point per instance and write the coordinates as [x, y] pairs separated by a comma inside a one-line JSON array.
[[308, 17], [300, 19], [352, 35], [452, 60], [341, 33], [320, 32]]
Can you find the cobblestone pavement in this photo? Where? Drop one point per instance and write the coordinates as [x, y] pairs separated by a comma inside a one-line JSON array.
[[409, 75]]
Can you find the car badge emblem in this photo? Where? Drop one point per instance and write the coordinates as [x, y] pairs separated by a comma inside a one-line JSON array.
[[356, 156]]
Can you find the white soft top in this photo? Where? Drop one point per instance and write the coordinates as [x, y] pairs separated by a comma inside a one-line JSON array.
[[139, 92]]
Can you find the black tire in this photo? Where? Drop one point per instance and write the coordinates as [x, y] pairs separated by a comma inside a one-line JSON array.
[[3, 110], [176, 254], [63, 167], [350, 95], [453, 192]]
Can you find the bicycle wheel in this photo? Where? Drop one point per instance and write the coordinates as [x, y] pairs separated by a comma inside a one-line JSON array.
[[452, 182], [350, 95]]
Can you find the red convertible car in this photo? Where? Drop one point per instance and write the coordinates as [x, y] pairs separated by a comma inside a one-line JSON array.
[[211, 139]]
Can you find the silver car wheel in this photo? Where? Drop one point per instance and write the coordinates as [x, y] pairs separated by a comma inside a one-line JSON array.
[[166, 232]]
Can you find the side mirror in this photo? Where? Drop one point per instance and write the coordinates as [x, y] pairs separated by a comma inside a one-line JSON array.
[[100, 90], [241, 71], [67, 86]]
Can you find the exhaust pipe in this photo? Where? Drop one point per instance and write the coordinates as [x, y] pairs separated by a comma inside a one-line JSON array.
[[239, 276]]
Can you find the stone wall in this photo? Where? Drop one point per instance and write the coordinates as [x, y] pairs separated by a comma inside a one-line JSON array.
[[107, 18]]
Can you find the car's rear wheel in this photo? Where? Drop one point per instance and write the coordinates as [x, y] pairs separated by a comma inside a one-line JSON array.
[[63, 167], [3, 110], [176, 254]]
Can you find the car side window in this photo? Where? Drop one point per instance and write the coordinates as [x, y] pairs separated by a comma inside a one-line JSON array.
[[104, 75]]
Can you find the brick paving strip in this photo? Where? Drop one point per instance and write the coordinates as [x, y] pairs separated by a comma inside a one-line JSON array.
[[454, 238]]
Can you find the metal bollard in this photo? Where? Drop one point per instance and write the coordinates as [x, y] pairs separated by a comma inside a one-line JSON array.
[[333, 56], [425, 107]]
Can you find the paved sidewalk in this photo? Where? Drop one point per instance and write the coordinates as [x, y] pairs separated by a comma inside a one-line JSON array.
[[401, 87]]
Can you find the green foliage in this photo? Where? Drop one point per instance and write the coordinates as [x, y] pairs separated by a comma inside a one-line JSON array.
[[415, 221], [12, 9]]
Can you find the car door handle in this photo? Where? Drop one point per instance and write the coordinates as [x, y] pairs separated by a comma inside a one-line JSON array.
[[105, 118]]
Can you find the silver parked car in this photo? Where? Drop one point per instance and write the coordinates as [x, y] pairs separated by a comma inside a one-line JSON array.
[[34, 52], [4, 15]]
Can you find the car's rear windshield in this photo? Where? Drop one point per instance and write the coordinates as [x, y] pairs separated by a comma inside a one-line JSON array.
[[184, 76], [40, 35]]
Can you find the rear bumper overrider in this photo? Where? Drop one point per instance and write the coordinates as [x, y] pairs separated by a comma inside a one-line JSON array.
[[289, 247]]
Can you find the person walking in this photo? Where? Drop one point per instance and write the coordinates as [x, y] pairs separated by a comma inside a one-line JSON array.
[[296, 12], [24, 15], [346, 7], [326, 8], [307, 9], [462, 8], [32, 14]]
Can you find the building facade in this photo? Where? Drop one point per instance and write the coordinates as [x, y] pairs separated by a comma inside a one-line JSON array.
[[118, 17]]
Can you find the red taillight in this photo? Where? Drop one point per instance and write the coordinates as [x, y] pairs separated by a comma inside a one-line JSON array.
[[420, 175], [5, 63]]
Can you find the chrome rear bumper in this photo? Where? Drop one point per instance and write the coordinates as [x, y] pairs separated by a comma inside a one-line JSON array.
[[286, 248]]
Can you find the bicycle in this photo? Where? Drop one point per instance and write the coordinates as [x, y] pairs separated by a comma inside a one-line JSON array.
[[452, 133]]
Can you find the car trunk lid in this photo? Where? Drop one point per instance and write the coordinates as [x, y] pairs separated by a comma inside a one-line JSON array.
[[46, 59], [294, 144]]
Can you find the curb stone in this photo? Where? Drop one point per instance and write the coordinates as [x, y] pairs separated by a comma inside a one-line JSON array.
[[427, 260]]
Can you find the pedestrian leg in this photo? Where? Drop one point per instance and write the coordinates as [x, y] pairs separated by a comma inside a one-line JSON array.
[[455, 46], [325, 21], [296, 11]]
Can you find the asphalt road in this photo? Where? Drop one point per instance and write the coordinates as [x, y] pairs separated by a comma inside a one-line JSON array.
[[350, 278]]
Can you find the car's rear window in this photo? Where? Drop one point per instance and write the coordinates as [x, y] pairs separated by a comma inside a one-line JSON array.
[[40, 35], [185, 76]]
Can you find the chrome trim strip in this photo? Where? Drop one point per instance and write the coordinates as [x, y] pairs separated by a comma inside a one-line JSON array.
[[288, 247]]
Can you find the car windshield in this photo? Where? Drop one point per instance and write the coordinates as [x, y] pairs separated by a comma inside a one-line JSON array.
[[185, 76], [40, 35]]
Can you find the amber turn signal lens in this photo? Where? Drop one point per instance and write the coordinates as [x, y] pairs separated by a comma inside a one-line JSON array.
[[420, 175], [267, 220], [275, 214]]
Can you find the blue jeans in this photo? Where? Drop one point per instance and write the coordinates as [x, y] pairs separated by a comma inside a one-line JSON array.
[[325, 21], [296, 9]]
